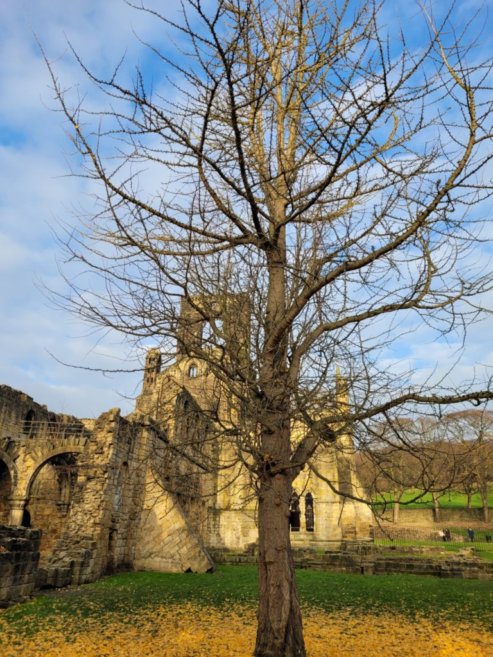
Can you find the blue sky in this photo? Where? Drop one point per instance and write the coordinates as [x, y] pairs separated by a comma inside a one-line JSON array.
[[35, 193]]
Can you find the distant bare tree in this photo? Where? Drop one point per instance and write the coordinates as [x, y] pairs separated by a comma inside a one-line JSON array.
[[315, 174], [473, 431], [413, 456], [392, 466]]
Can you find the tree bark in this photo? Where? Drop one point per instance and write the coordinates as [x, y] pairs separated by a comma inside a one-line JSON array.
[[436, 508], [280, 631], [484, 502], [395, 512]]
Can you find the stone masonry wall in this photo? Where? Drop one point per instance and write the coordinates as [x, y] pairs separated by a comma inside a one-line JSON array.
[[99, 535], [91, 487], [426, 517], [19, 557], [167, 539]]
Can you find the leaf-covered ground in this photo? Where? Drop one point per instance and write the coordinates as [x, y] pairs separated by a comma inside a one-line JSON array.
[[159, 615], [190, 630]]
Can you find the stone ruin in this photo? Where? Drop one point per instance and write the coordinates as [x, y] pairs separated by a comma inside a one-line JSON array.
[[81, 498]]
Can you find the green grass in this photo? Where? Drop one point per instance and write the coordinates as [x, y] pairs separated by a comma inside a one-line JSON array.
[[482, 549], [124, 594], [450, 500]]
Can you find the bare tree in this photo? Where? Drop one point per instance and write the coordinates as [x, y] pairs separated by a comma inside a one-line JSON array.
[[413, 456], [319, 178], [472, 430]]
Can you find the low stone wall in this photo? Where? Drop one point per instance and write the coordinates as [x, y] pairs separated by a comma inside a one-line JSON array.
[[457, 568], [462, 515], [365, 559], [426, 517], [19, 558], [397, 533]]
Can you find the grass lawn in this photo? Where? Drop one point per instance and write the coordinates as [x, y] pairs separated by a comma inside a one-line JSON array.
[[482, 549], [192, 615], [231, 585]]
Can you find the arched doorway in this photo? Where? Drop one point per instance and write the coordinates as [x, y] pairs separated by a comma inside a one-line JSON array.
[[5, 492], [50, 496]]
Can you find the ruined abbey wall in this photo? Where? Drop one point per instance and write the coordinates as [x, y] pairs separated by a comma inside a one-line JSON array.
[[221, 502], [159, 488], [70, 480], [97, 491]]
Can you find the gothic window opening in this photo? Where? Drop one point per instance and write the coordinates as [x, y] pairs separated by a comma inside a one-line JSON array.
[[309, 513], [28, 426], [50, 493], [213, 333], [294, 512], [193, 371]]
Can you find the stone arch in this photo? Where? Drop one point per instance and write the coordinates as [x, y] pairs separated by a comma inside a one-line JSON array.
[[67, 448], [191, 433], [185, 415], [49, 495], [9, 462]]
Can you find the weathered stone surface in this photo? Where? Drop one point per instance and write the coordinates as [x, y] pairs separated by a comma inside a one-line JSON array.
[[167, 541], [19, 558]]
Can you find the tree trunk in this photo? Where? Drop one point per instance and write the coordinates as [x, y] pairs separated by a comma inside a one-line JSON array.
[[279, 631], [436, 508], [395, 512], [484, 501]]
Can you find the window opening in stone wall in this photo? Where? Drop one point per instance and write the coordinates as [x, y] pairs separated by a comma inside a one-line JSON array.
[[309, 513], [294, 512], [28, 426], [65, 466], [5, 492], [213, 337], [193, 371]]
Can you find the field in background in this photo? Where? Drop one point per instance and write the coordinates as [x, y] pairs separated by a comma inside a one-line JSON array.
[[449, 500]]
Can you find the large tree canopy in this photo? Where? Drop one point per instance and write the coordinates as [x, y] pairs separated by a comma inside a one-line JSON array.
[[299, 168]]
